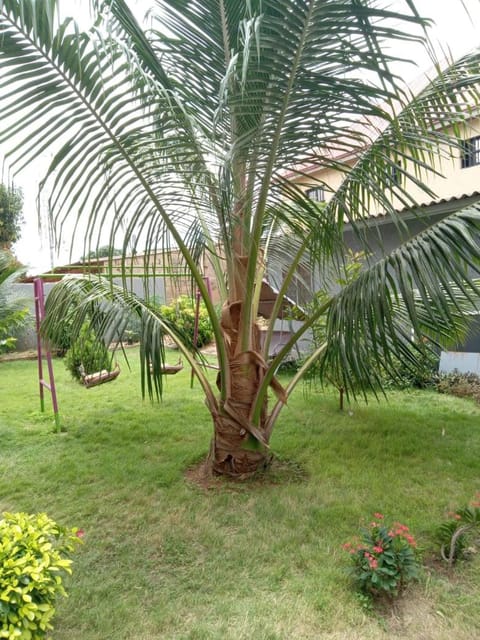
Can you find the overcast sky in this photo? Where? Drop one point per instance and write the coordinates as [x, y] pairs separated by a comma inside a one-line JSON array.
[[454, 32]]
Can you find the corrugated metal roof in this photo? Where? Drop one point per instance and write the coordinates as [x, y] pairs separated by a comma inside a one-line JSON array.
[[444, 205]]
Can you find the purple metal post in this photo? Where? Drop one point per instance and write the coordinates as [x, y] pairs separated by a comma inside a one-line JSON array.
[[39, 316]]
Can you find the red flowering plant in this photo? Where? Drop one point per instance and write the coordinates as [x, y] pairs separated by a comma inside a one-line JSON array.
[[384, 558], [454, 535]]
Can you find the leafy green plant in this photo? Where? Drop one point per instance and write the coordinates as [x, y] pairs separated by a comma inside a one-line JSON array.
[[13, 312], [133, 330], [422, 374], [383, 558], [34, 559], [7, 344], [181, 312], [87, 354], [454, 535]]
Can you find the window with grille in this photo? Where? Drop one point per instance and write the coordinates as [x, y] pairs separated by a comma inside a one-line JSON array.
[[317, 194], [470, 152], [395, 175]]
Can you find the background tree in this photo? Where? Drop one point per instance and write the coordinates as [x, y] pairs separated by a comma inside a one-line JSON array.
[[11, 204], [191, 131]]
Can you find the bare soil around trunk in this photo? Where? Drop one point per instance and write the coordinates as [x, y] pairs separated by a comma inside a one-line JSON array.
[[278, 472]]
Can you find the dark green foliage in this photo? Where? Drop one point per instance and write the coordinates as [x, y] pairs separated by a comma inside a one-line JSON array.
[[144, 153], [181, 313], [63, 339], [421, 376], [418, 370], [87, 354], [133, 330], [11, 203]]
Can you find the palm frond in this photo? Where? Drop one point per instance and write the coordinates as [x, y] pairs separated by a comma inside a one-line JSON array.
[[414, 292], [425, 133]]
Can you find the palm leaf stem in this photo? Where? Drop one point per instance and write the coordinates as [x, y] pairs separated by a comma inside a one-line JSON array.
[[291, 386], [265, 187], [277, 360]]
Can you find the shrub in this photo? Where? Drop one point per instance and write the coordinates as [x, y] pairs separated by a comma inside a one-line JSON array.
[[422, 376], [34, 559], [8, 344], [63, 339], [181, 314], [383, 558], [132, 331], [87, 354], [454, 535], [462, 385], [13, 312]]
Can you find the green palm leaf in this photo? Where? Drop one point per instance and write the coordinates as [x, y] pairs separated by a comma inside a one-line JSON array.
[[414, 292]]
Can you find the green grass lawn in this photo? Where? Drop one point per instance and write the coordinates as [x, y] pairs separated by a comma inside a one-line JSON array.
[[165, 559]]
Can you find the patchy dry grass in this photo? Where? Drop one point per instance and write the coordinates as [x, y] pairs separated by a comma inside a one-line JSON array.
[[166, 559]]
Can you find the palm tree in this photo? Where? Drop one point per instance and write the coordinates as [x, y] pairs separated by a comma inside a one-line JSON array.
[[191, 133]]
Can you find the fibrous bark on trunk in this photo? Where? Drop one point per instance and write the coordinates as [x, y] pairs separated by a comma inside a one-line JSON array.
[[240, 447]]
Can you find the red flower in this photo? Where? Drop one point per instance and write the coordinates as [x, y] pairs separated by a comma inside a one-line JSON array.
[[378, 549], [80, 533], [411, 540], [378, 516]]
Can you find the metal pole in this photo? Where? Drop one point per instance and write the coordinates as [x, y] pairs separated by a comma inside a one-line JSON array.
[[39, 316], [36, 290]]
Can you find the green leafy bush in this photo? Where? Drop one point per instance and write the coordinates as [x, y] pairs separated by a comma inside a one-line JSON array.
[[383, 558], [34, 559], [454, 535], [63, 339], [133, 330], [7, 344], [13, 312], [181, 314], [422, 376], [87, 354]]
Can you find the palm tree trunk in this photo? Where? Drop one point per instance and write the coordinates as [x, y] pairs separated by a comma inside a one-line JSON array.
[[239, 447], [230, 455]]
